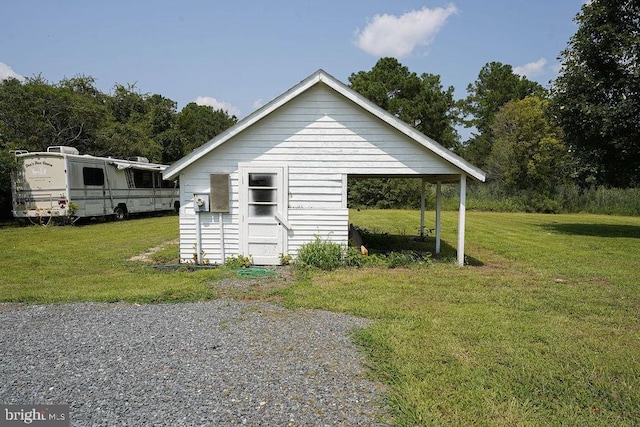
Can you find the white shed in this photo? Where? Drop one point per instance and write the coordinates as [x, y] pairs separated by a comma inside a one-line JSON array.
[[278, 178]]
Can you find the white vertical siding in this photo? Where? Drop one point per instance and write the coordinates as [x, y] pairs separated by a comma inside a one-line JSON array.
[[321, 137]]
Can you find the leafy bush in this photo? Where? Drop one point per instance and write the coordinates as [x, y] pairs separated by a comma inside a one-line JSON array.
[[543, 204], [324, 255], [354, 258]]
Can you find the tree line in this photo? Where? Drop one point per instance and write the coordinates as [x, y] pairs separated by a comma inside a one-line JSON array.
[[534, 142], [35, 114]]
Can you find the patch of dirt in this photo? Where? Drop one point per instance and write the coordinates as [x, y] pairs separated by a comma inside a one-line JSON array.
[[255, 286], [146, 256]]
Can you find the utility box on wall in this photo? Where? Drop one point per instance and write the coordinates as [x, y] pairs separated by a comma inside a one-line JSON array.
[[219, 192], [201, 202]]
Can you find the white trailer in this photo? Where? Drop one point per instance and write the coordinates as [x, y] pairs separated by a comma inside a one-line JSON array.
[[61, 183]]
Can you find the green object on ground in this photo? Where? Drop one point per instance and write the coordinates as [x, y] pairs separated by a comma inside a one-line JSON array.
[[257, 272]]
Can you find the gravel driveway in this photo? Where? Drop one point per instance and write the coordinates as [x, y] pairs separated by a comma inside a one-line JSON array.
[[221, 362]]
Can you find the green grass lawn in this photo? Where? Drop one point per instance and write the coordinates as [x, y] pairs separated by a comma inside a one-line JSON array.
[[90, 263], [542, 329]]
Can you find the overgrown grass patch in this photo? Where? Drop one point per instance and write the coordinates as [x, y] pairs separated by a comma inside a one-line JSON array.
[[327, 255]]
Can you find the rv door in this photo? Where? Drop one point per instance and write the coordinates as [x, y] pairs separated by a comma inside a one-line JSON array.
[[93, 178]]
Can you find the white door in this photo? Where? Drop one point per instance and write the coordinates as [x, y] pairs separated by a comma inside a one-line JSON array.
[[95, 194], [263, 211]]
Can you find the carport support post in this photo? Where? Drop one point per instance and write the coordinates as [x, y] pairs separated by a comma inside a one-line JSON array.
[[438, 210], [422, 203], [461, 218]]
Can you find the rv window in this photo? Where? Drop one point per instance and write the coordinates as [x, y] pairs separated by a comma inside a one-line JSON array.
[[93, 176], [143, 179]]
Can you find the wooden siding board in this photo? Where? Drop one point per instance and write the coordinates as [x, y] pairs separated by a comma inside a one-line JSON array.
[[328, 224], [309, 177]]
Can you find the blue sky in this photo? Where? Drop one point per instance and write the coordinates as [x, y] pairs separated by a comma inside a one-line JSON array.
[[238, 55]]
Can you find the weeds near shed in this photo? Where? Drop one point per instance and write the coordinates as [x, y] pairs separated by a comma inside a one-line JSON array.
[[354, 258], [321, 254], [203, 254], [328, 256], [239, 261], [285, 259], [408, 259]]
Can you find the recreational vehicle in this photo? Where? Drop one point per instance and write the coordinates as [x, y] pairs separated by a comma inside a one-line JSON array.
[[61, 183]]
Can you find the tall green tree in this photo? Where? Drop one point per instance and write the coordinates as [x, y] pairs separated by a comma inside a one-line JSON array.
[[127, 104], [199, 123], [420, 101], [596, 97], [19, 121], [128, 130], [139, 125], [162, 116], [36, 114], [528, 153], [496, 85], [87, 112], [384, 193]]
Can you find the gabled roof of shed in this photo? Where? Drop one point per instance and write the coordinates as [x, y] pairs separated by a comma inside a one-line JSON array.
[[321, 76]]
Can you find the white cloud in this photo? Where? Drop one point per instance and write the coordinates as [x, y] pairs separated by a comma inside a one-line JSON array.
[[7, 72], [532, 69], [398, 36], [218, 105]]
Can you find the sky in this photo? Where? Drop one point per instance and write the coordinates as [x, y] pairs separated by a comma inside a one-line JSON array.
[[238, 55]]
